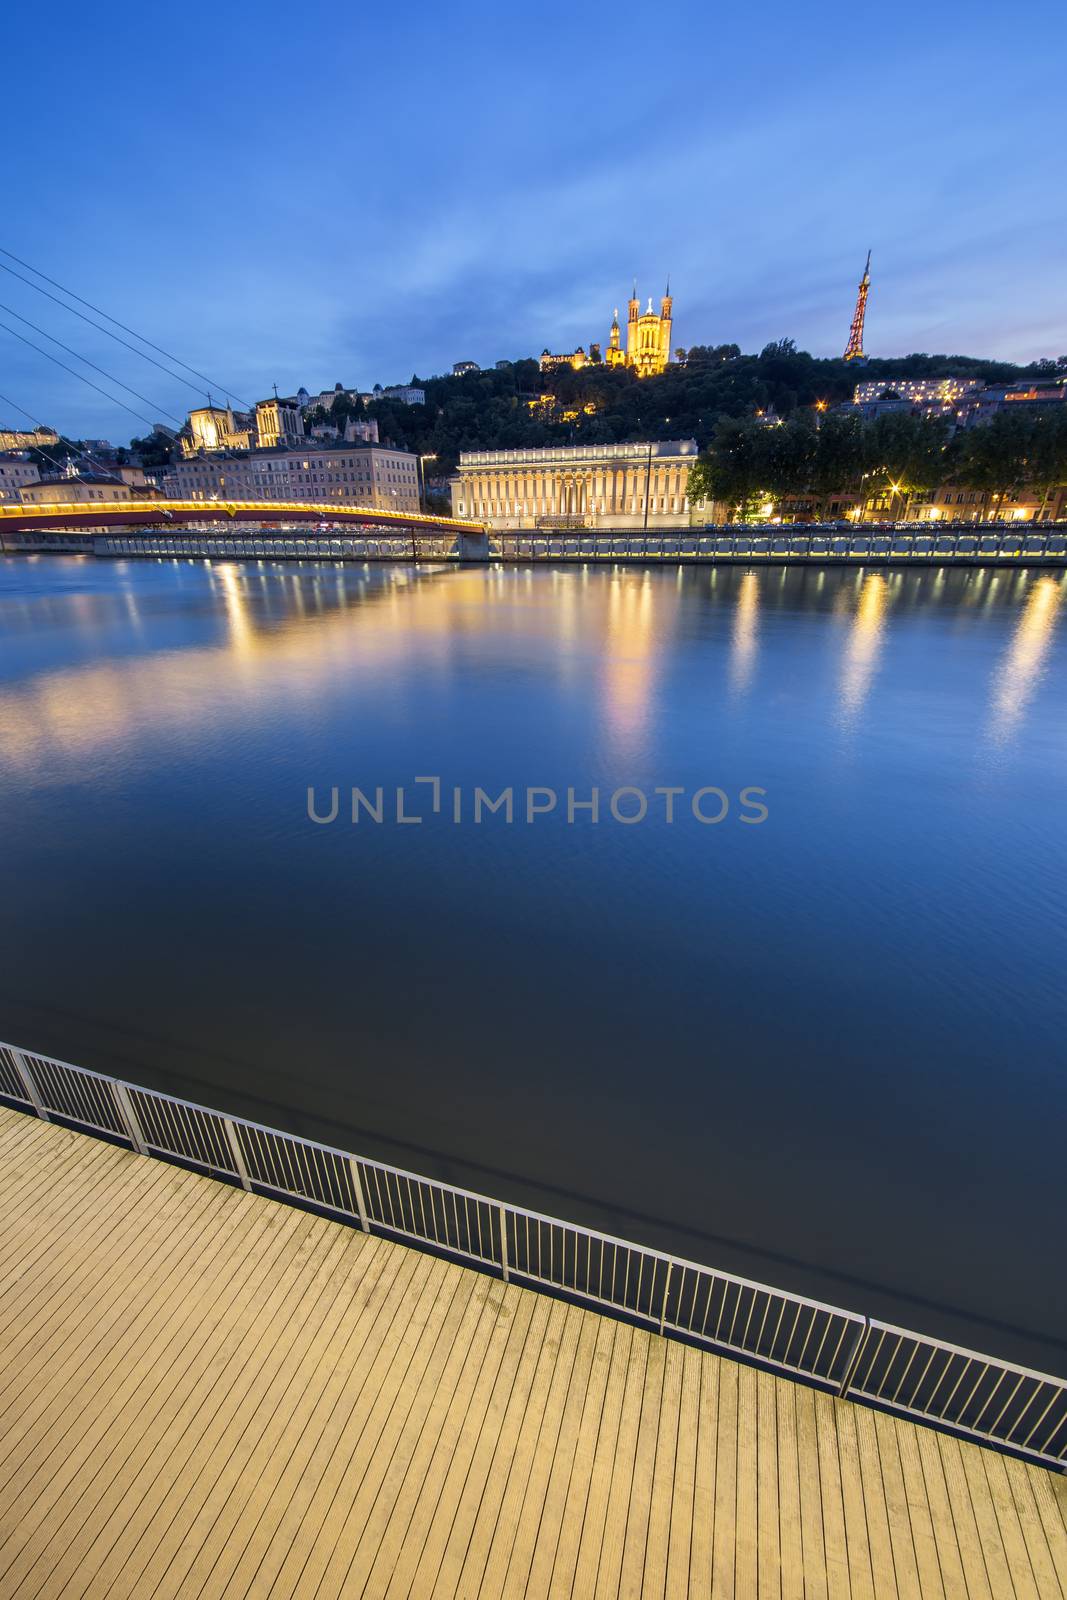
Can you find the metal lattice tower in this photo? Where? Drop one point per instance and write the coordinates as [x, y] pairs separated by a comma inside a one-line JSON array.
[[854, 350]]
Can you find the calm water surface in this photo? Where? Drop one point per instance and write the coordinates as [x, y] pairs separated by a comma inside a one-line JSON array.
[[827, 1051]]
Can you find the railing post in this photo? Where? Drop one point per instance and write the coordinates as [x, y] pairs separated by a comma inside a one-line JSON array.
[[853, 1358], [503, 1241], [666, 1292], [127, 1114], [357, 1185], [19, 1062], [237, 1153]]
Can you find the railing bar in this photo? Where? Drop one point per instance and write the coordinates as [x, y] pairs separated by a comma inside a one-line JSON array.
[[974, 1390], [827, 1325], [778, 1325], [733, 1319], [995, 1424], [872, 1358], [792, 1334], [904, 1373], [955, 1386], [1040, 1420], [807, 1341], [748, 1321], [989, 1399]]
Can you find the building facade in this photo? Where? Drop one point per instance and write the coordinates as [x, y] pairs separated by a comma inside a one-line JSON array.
[[351, 473], [921, 391], [606, 486], [19, 439], [16, 473], [83, 489]]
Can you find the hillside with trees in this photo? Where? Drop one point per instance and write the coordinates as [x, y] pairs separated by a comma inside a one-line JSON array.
[[515, 405]]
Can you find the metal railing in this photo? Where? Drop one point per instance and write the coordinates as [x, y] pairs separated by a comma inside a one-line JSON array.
[[994, 1402], [977, 546]]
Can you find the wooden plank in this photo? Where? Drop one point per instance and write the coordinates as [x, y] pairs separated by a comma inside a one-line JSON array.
[[989, 1480], [723, 1574], [958, 1517], [636, 1513], [1048, 1557], [402, 1371], [394, 1535], [195, 1422], [479, 1500], [702, 1541], [746, 1530], [613, 1539], [195, 1468], [540, 1427], [664, 1472], [844, 1517], [789, 1505], [54, 1475], [975, 1484], [938, 1570], [820, 1582], [882, 1546], [628, 1360], [768, 1507], [1050, 1495], [403, 1298], [558, 1430], [683, 1486], [882, 1438], [580, 1423], [464, 1467], [118, 1333]]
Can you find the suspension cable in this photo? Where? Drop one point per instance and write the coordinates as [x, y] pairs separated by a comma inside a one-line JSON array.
[[110, 376], [221, 387], [115, 401]]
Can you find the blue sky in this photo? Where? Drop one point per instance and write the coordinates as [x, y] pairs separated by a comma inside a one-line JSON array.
[[337, 194]]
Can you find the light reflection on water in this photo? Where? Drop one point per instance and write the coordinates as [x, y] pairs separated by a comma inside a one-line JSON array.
[[827, 1052]]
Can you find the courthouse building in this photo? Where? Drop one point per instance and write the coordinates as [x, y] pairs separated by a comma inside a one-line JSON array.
[[605, 486]]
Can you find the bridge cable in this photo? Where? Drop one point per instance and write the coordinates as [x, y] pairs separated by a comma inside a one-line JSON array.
[[177, 376], [115, 401], [75, 449], [85, 359], [221, 387]]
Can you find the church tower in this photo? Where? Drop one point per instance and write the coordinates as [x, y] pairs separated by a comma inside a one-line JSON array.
[[666, 317], [632, 315], [615, 355]]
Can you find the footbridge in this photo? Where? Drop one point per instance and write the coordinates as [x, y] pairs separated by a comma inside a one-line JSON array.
[[22, 523]]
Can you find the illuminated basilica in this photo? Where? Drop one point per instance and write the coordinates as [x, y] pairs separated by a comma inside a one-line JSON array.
[[648, 341]]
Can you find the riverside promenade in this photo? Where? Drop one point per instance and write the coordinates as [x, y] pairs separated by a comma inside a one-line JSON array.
[[209, 1393]]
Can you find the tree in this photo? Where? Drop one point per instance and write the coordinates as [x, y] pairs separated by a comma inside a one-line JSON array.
[[733, 468]]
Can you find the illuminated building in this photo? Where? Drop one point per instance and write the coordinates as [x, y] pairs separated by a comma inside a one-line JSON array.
[[648, 341], [604, 486], [16, 472], [19, 439], [460, 369], [549, 363], [213, 428], [77, 490], [921, 391], [349, 472], [854, 350], [278, 422]]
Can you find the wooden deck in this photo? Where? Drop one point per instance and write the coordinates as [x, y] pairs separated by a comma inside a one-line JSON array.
[[207, 1393]]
